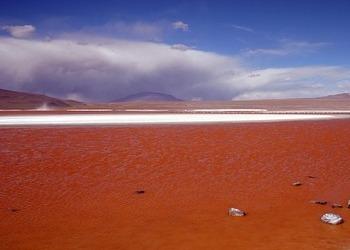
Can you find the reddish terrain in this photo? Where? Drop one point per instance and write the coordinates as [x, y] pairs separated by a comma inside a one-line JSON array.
[[21, 100], [74, 187]]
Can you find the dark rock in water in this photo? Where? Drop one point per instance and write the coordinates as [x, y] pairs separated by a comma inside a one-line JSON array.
[[331, 218], [236, 212], [140, 192], [335, 205], [311, 177], [14, 210], [320, 202], [297, 183]]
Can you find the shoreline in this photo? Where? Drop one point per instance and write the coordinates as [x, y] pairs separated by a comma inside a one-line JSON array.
[[130, 119]]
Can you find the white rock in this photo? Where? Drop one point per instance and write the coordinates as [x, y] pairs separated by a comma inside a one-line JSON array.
[[331, 218], [236, 212], [297, 183]]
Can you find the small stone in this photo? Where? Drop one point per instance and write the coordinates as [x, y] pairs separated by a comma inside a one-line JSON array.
[[348, 203], [335, 205], [320, 202], [236, 212], [311, 177], [331, 218], [140, 192], [297, 183]]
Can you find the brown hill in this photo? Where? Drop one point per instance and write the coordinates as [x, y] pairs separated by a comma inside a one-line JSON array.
[[21, 100], [337, 96]]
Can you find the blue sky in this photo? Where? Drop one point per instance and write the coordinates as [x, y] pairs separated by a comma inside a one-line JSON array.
[[264, 36]]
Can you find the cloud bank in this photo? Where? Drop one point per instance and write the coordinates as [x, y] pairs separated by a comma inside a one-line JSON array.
[[108, 69]]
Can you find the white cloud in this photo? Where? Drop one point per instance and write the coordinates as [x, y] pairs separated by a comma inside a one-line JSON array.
[[180, 25], [343, 84], [307, 81], [196, 99], [180, 46], [242, 28], [108, 69], [288, 47], [22, 31]]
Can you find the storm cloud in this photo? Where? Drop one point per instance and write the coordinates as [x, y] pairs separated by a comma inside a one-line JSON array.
[[107, 69]]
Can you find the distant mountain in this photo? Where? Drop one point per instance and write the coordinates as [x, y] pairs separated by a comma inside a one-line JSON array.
[[148, 97], [20, 100], [337, 96]]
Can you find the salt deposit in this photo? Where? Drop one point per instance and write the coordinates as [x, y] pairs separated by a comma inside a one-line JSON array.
[[115, 119]]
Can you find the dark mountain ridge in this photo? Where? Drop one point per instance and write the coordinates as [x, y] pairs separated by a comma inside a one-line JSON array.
[[148, 97]]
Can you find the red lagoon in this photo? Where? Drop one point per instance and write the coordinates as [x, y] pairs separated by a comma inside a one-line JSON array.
[[170, 187]]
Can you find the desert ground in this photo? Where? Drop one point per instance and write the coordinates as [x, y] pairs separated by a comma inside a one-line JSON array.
[[164, 186]]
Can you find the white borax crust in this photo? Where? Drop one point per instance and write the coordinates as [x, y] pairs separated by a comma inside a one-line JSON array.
[[122, 119]]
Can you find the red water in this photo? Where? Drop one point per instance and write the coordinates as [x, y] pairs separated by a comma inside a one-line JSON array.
[[74, 188]]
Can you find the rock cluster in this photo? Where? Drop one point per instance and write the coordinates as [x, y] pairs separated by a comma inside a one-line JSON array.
[[329, 218]]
